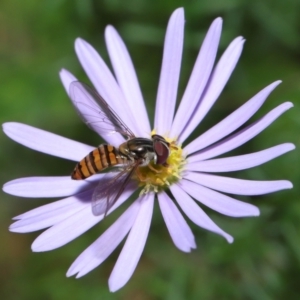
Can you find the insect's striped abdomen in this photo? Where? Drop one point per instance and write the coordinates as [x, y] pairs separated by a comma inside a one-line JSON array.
[[102, 157]]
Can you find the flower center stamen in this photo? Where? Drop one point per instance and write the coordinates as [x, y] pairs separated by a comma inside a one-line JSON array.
[[155, 178]]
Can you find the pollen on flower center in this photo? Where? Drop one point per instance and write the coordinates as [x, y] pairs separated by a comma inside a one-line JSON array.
[[155, 178]]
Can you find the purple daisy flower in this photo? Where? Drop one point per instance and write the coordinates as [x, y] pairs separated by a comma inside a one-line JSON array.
[[190, 174]]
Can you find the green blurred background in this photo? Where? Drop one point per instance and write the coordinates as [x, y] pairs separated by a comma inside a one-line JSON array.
[[36, 41]]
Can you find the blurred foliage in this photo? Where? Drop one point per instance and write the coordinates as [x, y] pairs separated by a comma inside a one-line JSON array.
[[37, 41]]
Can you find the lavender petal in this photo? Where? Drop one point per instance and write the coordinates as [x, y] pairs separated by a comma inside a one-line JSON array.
[[240, 162], [82, 104], [67, 78], [170, 71], [199, 77], [241, 136], [97, 252], [46, 142], [51, 214], [238, 186], [134, 245], [104, 82], [48, 187], [179, 230], [67, 230], [218, 80], [195, 213], [127, 78], [72, 227], [221, 203], [232, 122]]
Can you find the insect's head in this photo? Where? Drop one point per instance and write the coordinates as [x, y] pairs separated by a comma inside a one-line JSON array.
[[161, 149]]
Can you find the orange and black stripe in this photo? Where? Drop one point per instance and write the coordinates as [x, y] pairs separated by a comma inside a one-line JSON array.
[[100, 158]]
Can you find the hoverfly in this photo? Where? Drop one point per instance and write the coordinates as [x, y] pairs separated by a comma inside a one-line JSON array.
[[135, 152]]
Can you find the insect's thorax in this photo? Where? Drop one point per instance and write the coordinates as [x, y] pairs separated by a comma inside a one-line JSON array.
[[138, 149]]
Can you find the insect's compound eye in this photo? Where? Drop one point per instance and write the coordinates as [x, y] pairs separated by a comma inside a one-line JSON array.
[[162, 151]]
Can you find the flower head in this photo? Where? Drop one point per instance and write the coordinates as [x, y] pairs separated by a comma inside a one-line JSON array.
[[189, 173]]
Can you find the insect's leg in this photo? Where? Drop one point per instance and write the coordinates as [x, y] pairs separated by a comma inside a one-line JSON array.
[[172, 145], [153, 169], [140, 176]]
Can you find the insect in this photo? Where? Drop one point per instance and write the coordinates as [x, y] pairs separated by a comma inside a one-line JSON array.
[[134, 152]]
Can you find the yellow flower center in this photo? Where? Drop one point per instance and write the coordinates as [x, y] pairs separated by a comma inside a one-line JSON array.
[[155, 178]]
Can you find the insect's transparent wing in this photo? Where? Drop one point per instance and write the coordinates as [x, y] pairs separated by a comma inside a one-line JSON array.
[[110, 188], [95, 111]]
